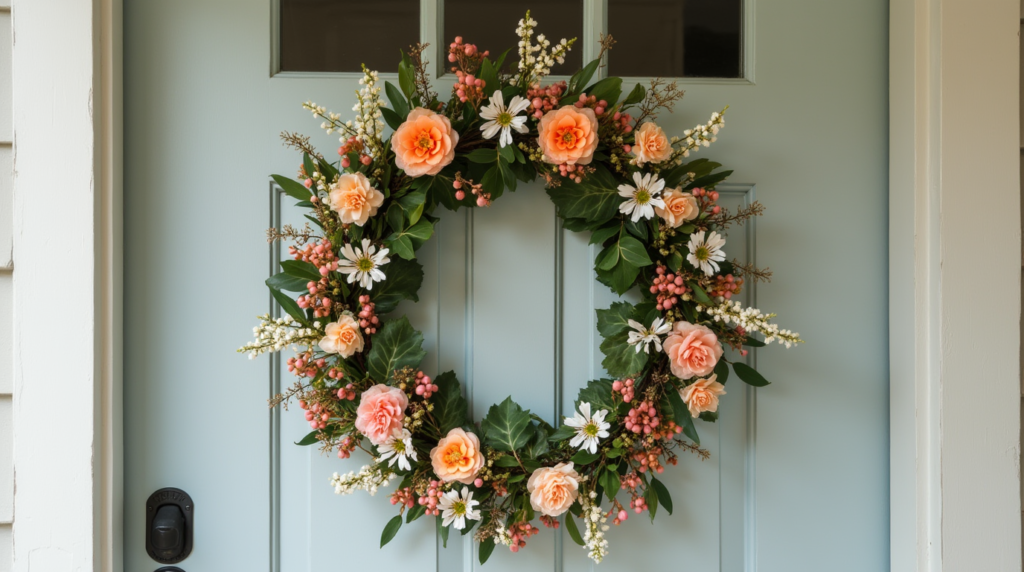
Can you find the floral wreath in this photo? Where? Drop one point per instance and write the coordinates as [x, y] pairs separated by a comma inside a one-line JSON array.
[[610, 170]]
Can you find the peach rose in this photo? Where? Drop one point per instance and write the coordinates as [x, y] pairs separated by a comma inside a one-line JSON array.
[[568, 135], [650, 144], [342, 337], [553, 489], [424, 144], [457, 457], [679, 207], [381, 411], [354, 198], [702, 395], [692, 350]]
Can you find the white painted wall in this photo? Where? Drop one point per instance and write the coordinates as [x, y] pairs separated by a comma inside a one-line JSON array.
[[6, 289]]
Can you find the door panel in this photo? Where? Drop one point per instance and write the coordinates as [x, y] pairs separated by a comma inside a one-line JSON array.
[[798, 475]]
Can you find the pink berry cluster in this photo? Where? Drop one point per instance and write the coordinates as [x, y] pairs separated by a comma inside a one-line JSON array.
[[429, 500], [368, 320], [574, 172], [726, 286], [468, 87], [303, 365], [549, 521], [425, 386], [467, 59], [346, 446], [322, 256], [460, 184], [347, 393], [707, 198], [520, 532], [353, 145], [316, 414], [624, 389], [404, 496], [546, 98], [650, 459], [643, 418], [668, 287], [599, 106]]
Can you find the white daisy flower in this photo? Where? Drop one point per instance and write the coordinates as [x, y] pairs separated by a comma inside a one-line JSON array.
[[398, 448], [589, 429], [643, 336], [706, 253], [504, 119], [456, 507], [362, 264], [643, 197]]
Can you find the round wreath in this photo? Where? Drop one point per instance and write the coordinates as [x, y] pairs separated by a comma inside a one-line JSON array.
[[610, 170]]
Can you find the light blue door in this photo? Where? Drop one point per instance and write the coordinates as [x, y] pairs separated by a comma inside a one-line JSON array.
[[798, 477]]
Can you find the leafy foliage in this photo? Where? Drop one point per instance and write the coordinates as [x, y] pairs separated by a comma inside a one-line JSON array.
[[506, 426], [395, 346]]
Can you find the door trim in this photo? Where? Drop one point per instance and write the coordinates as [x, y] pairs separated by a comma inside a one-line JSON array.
[[931, 442]]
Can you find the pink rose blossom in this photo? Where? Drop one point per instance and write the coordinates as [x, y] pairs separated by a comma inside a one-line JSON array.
[[702, 395], [692, 350], [381, 411]]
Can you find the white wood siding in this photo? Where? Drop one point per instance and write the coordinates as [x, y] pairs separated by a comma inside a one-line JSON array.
[[6, 289]]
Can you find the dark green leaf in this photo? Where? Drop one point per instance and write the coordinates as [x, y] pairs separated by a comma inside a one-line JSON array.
[[485, 550], [603, 234], [507, 426], [621, 277], [507, 177], [292, 188], [404, 278], [507, 461], [637, 229], [611, 483], [301, 269], [396, 217], [607, 258], [595, 200], [709, 181], [749, 375], [395, 346], [492, 182], [402, 246], [444, 532], [753, 342], [483, 156], [674, 262], [398, 101], [288, 305], [490, 77], [699, 293], [539, 444], [570, 527], [651, 496], [415, 512], [585, 457], [449, 404], [621, 359], [309, 439], [633, 251], [390, 530], [564, 432], [664, 498], [681, 415], [598, 393], [636, 96], [393, 120], [608, 89], [406, 76], [583, 77], [722, 371], [615, 319], [709, 416], [284, 281], [507, 154]]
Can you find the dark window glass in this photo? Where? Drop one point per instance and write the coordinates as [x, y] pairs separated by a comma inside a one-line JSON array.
[[491, 25], [340, 35], [675, 38]]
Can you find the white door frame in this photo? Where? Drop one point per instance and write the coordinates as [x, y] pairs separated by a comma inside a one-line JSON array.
[[954, 196]]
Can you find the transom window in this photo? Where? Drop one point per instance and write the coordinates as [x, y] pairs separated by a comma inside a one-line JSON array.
[[668, 38]]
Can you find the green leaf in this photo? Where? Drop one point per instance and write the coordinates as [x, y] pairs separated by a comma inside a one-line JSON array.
[[611, 482], [507, 177], [507, 461], [393, 119], [633, 251], [406, 76], [485, 550], [417, 233], [621, 277], [709, 416], [722, 371], [395, 346], [681, 415], [637, 229], [749, 375], [636, 96], [615, 319], [483, 156], [402, 246], [570, 527], [585, 457], [490, 77], [608, 89], [507, 426], [284, 281], [301, 269], [442, 191], [607, 258], [288, 305], [675, 262], [396, 217], [449, 404], [492, 182], [539, 444], [664, 498], [651, 496], [309, 439], [292, 188], [753, 342], [444, 532], [583, 77], [415, 512], [390, 530], [621, 359], [603, 234], [564, 432], [404, 278], [598, 393], [507, 154], [709, 181], [699, 293], [398, 101], [595, 200]]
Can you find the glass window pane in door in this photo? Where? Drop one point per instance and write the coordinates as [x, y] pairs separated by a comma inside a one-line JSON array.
[[491, 25], [340, 35], [676, 38]]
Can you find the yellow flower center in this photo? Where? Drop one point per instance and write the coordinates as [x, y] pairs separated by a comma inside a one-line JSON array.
[[505, 119], [642, 196], [590, 429], [452, 456], [459, 508], [702, 253], [364, 264]]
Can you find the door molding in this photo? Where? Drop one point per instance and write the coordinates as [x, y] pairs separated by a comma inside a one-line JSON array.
[[953, 477]]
